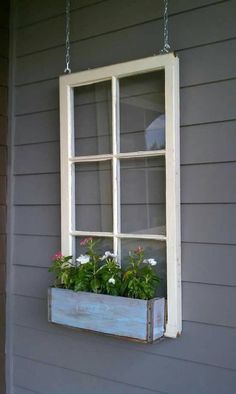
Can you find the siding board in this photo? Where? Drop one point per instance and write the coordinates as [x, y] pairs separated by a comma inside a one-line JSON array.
[[21, 390], [29, 12], [204, 183], [2, 281], [2, 190], [38, 285], [2, 339], [2, 248], [4, 43], [215, 264], [3, 213], [196, 141], [2, 311], [35, 38], [208, 143], [40, 127], [38, 158], [34, 344], [208, 183], [212, 304], [201, 223], [49, 379], [40, 250], [2, 373], [3, 160], [41, 220], [3, 130], [47, 186], [220, 96], [197, 344], [206, 65], [107, 33], [212, 223], [220, 99], [38, 97]]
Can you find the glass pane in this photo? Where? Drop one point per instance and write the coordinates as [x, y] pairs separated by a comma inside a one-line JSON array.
[[152, 249], [93, 119], [103, 245], [142, 112], [93, 196], [143, 196]]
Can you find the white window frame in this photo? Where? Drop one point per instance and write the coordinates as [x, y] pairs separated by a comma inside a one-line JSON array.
[[170, 64]]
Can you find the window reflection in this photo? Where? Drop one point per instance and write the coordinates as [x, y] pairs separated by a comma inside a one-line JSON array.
[[142, 112]]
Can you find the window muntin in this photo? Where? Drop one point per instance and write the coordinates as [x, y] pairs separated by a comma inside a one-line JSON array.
[[158, 138]]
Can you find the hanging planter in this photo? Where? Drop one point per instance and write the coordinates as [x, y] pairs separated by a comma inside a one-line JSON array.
[[100, 296], [127, 309]]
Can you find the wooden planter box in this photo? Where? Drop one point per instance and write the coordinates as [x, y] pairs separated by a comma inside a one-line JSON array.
[[125, 317]]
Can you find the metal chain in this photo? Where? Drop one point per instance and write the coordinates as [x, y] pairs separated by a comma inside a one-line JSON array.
[[166, 47], [67, 52]]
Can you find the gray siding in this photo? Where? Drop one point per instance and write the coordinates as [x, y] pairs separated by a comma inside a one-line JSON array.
[[55, 360], [4, 12]]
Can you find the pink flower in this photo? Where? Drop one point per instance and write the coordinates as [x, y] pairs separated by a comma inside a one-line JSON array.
[[57, 256], [139, 250], [85, 241]]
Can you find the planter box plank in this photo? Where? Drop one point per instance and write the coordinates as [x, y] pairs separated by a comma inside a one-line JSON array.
[[112, 315], [158, 318]]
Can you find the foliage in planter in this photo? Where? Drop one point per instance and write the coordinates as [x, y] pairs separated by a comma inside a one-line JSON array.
[[102, 274]]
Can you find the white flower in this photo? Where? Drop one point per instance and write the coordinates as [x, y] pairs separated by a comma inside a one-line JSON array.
[[112, 281], [107, 255], [150, 261], [83, 259]]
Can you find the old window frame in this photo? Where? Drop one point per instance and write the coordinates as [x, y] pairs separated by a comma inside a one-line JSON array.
[[170, 64]]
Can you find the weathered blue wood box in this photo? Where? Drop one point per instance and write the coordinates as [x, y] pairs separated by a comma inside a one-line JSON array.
[[125, 317]]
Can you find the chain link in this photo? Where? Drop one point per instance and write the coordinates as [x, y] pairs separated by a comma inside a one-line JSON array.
[[67, 52], [166, 47]]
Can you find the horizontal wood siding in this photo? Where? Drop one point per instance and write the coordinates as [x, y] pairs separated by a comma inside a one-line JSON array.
[[4, 48], [56, 360]]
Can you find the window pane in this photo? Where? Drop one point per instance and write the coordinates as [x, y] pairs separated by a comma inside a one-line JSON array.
[[142, 112], [102, 246], [152, 249], [93, 119], [93, 196], [143, 196]]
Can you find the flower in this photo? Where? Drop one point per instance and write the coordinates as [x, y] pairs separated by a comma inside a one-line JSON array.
[[138, 250], [57, 256], [85, 241], [112, 281], [150, 261], [83, 259], [107, 255]]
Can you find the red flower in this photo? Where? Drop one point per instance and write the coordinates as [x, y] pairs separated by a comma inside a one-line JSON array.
[[85, 241], [57, 256]]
